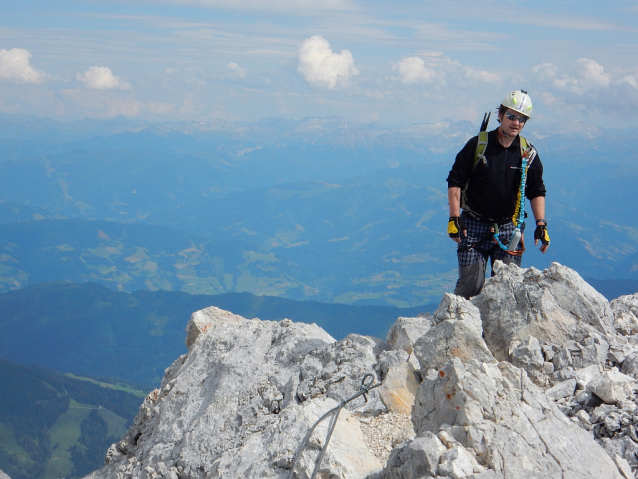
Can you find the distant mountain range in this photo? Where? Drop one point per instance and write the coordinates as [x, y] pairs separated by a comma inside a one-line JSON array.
[[317, 208]]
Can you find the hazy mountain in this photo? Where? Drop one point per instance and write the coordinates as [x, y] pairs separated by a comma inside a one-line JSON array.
[[358, 211]]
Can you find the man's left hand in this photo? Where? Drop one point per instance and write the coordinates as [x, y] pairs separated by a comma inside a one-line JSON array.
[[541, 234]]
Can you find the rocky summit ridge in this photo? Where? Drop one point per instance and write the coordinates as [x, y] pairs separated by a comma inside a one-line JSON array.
[[533, 378]]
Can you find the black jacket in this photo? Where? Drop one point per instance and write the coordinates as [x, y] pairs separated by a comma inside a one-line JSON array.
[[493, 188]]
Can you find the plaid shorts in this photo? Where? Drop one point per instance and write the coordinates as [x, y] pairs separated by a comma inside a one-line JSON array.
[[479, 244]]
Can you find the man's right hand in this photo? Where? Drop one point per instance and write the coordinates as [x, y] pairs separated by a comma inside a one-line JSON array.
[[456, 226]]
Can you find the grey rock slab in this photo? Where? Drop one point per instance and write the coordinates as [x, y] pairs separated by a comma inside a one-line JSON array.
[[562, 390], [418, 457], [489, 474], [624, 447], [457, 334], [623, 467], [562, 359], [586, 375], [399, 383], [232, 407], [4, 476], [406, 331], [593, 350], [527, 355], [496, 411], [457, 463], [630, 365], [625, 310], [205, 320], [612, 386], [555, 305], [457, 308]]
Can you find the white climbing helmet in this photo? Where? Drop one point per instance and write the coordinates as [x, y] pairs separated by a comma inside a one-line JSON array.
[[519, 101]]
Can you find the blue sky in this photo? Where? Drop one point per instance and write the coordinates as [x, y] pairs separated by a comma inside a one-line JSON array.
[[395, 63]]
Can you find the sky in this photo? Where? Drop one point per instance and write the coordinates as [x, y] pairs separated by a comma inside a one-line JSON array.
[[391, 62]]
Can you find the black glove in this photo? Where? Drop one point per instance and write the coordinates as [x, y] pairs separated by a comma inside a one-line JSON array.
[[455, 226], [541, 234]]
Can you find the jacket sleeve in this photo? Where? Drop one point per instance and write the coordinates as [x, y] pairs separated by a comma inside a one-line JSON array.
[[535, 186], [462, 168]]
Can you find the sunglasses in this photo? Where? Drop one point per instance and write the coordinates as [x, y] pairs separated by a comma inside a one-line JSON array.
[[512, 117]]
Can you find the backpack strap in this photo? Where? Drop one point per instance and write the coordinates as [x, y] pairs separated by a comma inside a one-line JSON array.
[[479, 155]]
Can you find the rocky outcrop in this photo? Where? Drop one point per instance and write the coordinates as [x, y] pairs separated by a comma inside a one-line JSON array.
[[240, 402], [625, 311], [4, 476], [554, 306], [535, 377]]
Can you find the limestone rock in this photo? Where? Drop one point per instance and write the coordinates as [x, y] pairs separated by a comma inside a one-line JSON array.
[[399, 386], [456, 334], [4, 476], [623, 467], [496, 411], [562, 390], [240, 402], [528, 355], [456, 308], [625, 310], [612, 386], [205, 320], [630, 365], [457, 463], [415, 458], [555, 305], [586, 375], [406, 331]]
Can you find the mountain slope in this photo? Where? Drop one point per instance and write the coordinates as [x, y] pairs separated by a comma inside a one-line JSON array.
[[52, 425]]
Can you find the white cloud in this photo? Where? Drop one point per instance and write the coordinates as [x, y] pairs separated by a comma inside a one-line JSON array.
[[434, 67], [631, 80], [102, 78], [321, 67], [584, 86], [413, 69], [481, 75], [235, 71], [582, 76], [267, 5], [15, 65], [545, 71]]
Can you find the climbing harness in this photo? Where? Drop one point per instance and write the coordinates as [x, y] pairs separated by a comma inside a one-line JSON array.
[[367, 384]]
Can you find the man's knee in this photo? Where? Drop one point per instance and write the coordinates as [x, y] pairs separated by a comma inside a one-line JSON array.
[[471, 280]]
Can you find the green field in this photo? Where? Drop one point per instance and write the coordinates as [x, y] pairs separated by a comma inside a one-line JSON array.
[[55, 426]]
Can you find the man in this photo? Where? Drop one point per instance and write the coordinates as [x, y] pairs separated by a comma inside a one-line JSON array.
[[487, 188]]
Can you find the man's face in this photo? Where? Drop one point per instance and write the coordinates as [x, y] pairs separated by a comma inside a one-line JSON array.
[[513, 122]]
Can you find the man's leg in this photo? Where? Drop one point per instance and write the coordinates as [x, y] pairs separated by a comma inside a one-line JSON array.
[[472, 258], [471, 278]]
